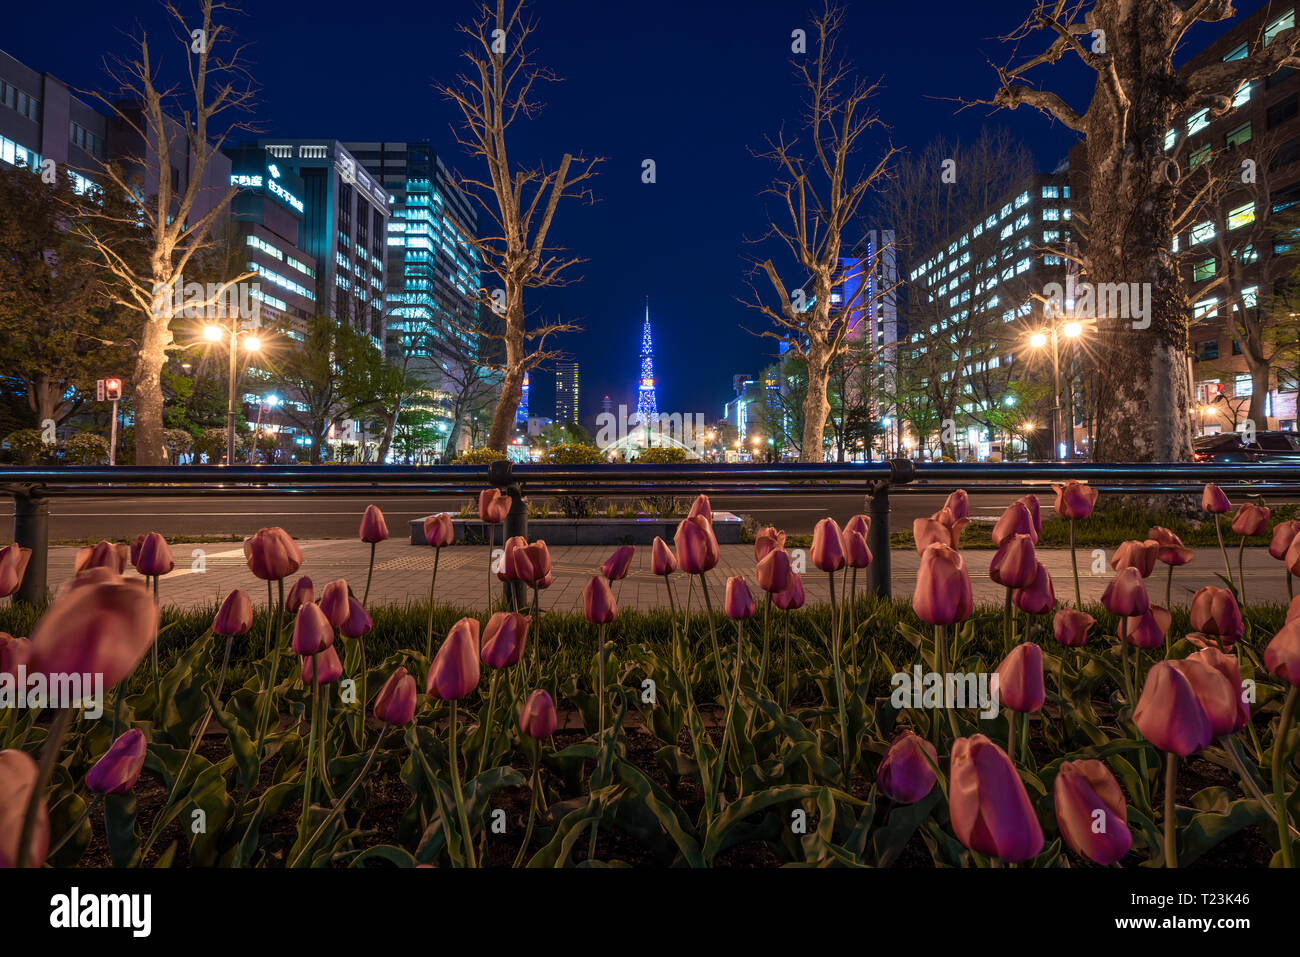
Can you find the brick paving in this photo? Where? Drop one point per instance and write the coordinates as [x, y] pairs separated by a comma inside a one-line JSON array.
[[402, 573]]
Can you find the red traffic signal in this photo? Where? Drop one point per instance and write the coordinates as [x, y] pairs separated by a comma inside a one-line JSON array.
[[112, 389]]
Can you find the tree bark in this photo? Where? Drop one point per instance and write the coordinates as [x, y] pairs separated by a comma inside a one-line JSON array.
[[512, 385], [147, 393], [816, 407]]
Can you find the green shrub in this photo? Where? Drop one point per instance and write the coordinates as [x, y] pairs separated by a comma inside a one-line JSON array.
[[661, 455], [573, 453], [86, 448], [479, 457], [26, 447]]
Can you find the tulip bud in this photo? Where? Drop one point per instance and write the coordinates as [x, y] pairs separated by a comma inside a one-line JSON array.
[[358, 622], [827, 546], [774, 571], [1148, 629], [373, 527], [792, 596], [118, 770], [538, 719], [327, 667], [1126, 594], [768, 539], [1074, 500], [1284, 534], [18, 775], [1171, 549], [598, 601], [1014, 565], [932, 531], [302, 593], [271, 554], [905, 775], [943, 590], [1040, 597], [1091, 811], [662, 559], [533, 564], [1214, 501], [438, 530], [856, 552], [334, 602], [987, 803], [701, 507], [103, 555], [1250, 520], [395, 703], [1282, 655], [1016, 520], [455, 671], [493, 507], [13, 566], [616, 566], [1227, 666], [235, 617], [697, 548], [958, 503], [13, 652], [739, 602], [1169, 714], [312, 631], [1020, 678], [1070, 627], [860, 524], [1135, 554], [1030, 502], [503, 639], [1215, 612], [153, 557]]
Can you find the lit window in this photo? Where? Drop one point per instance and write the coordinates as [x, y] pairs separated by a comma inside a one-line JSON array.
[[1201, 233], [1241, 216], [1198, 121], [1203, 270], [1285, 22]]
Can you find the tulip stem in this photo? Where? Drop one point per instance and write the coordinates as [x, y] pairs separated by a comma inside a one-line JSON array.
[[466, 843], [1227, 566], [1012, 719], [342, 802], [1279, 774], [428, 635], [311, 751], [762, 665], [491, 537], [275, 674], [600, 721], [75, 827], [785, 658], [941, 653], [49, 755], [672, 617], [1123, 660], [716, 784], [853, 623], [1171, 830], [365, 598], [487, 724], [845, 757], [1241, 574], [537, 635], [1007, 624], [532, 803], [1074, 563], [713, 634]]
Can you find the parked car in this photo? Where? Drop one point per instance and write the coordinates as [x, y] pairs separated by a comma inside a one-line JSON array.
[[1280, 448]]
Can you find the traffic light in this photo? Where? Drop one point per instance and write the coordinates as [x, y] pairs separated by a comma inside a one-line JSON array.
[[112, 389]]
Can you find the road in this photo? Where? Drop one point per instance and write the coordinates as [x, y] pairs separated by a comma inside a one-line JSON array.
[[201, 517]]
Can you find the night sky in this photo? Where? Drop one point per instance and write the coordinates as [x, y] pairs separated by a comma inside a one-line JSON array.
[[692, 84]]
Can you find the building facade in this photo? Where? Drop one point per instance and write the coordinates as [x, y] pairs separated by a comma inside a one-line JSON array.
[[566, 392]]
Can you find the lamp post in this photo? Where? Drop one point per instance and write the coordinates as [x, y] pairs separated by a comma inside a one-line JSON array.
[[251, 344], [1071, 330]]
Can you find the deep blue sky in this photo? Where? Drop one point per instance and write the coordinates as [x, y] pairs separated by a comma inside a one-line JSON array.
[[692, 84]]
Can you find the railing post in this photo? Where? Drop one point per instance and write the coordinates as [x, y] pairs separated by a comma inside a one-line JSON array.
[[900, 472], [516, 524], [32, 530]]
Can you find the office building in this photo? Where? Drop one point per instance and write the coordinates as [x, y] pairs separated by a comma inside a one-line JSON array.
[[566, 392]]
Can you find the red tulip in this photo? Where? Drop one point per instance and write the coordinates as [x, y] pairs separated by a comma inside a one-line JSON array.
[[358, 622], [1148, 629], [13, 652], [1070, 627], [1284, 534], [1040, 597], [948, 520], [905, 775], [856, 552], [1016, 520], [454, 672], [1135, 554], [662, 559], [503, 639], [527, 563], [1218, 697], [943, 591], [768, 539], [302, 593], [1250, 520], [18, 774], [1215, 612], [1171, 549], [1075, 499], [598, 601], [493, 507], [827, 551], [334, 601], [271, 554], [98, 623], [774, 571], [1126, 594], [697, 548], [118, 770], [13, 566], [1014, 564], [235, 617], [312, 631], [439, 531], [739, 602], [1169, 713], [616, 566], [329, 668], [1214, 501], [1282, 655], [153, 557], [538, 719], [1020, 678], [987, 803], [791, 597], [373, 527], [932, 531], [104, 555], [1030, 502], [1227, 666], [1091, 812], [701, 507], [860, 524], [395, 703], [958, 503]]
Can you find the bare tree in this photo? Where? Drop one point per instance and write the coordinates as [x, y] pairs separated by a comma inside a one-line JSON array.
[[1132, 200], [820, 187], [177, 130], [520, 200]]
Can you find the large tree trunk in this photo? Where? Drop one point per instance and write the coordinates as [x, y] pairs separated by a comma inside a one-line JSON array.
[[512, 385], [386, 442], [816, 407], [1260, 374], [147, 393]]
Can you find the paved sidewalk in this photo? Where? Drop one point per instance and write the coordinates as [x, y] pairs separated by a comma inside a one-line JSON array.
[[402, 573]]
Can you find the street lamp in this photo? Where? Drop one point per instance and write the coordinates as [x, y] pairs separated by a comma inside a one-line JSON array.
[[1071, 330], [252, 343]]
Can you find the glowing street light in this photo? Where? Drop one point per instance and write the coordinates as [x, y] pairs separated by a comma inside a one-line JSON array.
[[1038, 340], [1072, 330], [213, 333], [252, 343]]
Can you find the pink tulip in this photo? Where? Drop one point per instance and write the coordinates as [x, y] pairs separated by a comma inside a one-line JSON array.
[[792, 596], [13, 566], [598, 601], [1169, 714], [1284, 534], [271, 554], [1282, 655], [1214, 501], [104, 555], [1292, 559], [1135, 554], [948, 520], [312, 631], [616, 566], [662, 559], [1126, 594], [1070, 627], [503, 639], [860, 524], [358, 622], [493, 507], [98, 623], [987, 803], [18, 774], [514, 547], [768, 539], [739, 602], [395, 703], [774, 571], [905, 775], [118, 770], [701, 507], [1075, 500], [373, 527], [235, 617], [334, 601], [827, 551], [1250, 520], [1091, 812], [1020, 678], [1217, 696], [455, 671], [1030, 502], [1014, 564], [1293, 609], [856, 552], [1016, 520], [527, 563], [697, 548], [1215, 612], [1227, 666], [943, 590], [1171, 549], [302, 593], [329, 668], [958, 503], [439, 532], [538, 719], [1148, 629], [154, 557], [931, 531], [1040, 597]]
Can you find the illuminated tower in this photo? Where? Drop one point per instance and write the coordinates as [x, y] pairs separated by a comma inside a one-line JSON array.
[[647, 409]]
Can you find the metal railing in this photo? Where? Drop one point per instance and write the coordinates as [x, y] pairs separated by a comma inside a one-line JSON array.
[[33, 488]]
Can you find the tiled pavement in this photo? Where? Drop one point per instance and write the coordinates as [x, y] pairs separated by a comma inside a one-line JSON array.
[[402, 573]]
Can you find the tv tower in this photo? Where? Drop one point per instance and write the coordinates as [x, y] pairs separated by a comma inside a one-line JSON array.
[[647, 409]]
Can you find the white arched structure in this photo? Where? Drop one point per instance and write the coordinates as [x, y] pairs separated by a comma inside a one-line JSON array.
[[640, 438]]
